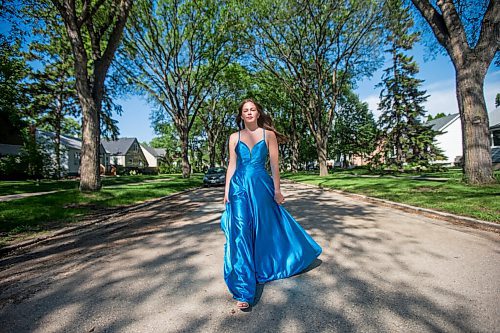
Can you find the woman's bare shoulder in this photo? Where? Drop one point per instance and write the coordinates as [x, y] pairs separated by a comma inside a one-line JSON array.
[[270, 134], [233, 136]]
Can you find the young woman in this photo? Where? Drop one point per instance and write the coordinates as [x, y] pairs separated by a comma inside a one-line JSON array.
[[263, 241]]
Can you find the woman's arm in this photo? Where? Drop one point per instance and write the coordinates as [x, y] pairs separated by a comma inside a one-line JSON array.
[[274, 160], [231, 167]]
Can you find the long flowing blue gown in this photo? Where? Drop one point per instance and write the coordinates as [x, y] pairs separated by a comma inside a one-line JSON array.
[[263, 241]]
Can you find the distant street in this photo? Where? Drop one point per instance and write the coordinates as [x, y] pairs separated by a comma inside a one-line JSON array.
[[159, 269]]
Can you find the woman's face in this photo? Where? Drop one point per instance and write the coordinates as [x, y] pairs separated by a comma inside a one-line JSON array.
[[249, 113]]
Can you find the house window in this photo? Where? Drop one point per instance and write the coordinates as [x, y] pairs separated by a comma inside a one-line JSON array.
[[77, 157], [496, 138]]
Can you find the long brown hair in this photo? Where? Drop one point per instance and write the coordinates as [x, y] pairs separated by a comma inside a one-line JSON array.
[[264, 120]]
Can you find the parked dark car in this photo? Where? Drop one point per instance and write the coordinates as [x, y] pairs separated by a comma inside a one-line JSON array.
[[215, 176]]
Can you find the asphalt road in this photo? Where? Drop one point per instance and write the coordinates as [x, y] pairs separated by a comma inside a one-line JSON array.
[[159, 269]]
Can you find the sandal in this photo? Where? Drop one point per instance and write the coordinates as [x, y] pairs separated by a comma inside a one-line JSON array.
[[242, 305]]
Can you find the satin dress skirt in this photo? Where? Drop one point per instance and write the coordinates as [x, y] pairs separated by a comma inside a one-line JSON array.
[[263, 241]]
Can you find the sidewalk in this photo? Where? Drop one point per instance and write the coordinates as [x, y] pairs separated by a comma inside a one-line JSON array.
[[10, 197]]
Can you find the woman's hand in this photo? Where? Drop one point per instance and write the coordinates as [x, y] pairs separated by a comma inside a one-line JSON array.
[[226, 199], [279, 198]]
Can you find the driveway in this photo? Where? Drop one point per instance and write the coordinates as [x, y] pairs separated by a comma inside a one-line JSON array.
[[159, 269]]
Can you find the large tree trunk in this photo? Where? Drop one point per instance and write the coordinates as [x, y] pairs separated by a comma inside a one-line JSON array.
[[322, 150], [477, 164], [211, 149], [186, 167], [90, 179], [57, 143], [57, 140], [294, 161], [294, 147], [222, 156], [212, 155]]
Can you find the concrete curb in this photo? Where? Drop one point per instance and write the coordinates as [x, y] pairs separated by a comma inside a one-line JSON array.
[[67, 230], [456, 219]]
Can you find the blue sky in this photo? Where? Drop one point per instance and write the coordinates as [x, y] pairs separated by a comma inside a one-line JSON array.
[[438, 73], [439, 82]]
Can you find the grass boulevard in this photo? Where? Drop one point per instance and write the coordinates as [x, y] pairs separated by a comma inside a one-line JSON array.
[[28, 217], [31, 216]]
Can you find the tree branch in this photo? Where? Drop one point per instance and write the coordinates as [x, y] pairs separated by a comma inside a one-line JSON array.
[[435, 21], [114, 40], [489, 43]]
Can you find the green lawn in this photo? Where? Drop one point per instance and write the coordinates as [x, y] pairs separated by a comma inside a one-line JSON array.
[[27, 186], [36, 214], [452, 196]]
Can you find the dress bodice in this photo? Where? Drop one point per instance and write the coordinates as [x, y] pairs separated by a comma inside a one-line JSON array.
[[255, 156]]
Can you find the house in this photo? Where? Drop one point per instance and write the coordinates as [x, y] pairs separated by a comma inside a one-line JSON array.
[[153, 155], [70, 151], [450, 141], [494, 118], [125, 152]]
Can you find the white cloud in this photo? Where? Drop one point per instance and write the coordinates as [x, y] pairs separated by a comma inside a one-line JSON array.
[[372, 101], [439, 85], [442, 99]]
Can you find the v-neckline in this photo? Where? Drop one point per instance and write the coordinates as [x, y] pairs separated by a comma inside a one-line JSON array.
[[250, 150]]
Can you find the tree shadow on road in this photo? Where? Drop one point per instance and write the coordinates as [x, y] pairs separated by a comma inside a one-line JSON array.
[[160, 269]]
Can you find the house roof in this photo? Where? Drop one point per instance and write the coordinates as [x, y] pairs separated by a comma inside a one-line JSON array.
[[118, 147], [151, 150], [66, 141], [495, 154], [494, 118], [161, 151], [440, 123], [156, 152]]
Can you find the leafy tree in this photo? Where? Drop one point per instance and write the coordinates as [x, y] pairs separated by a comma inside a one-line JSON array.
[[35, 155], [229, 87], [286, 116], [71, 127], [355, 129], [437, 116], [405, 138], [173, 52], [13, 73], [497, 100], [316, 48], [52, 87], [94, 30], [168, 140], [32, 161], [468, 31]]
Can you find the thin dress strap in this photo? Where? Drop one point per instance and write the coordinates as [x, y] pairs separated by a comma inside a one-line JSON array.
[[265, 138], [239, 135]]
